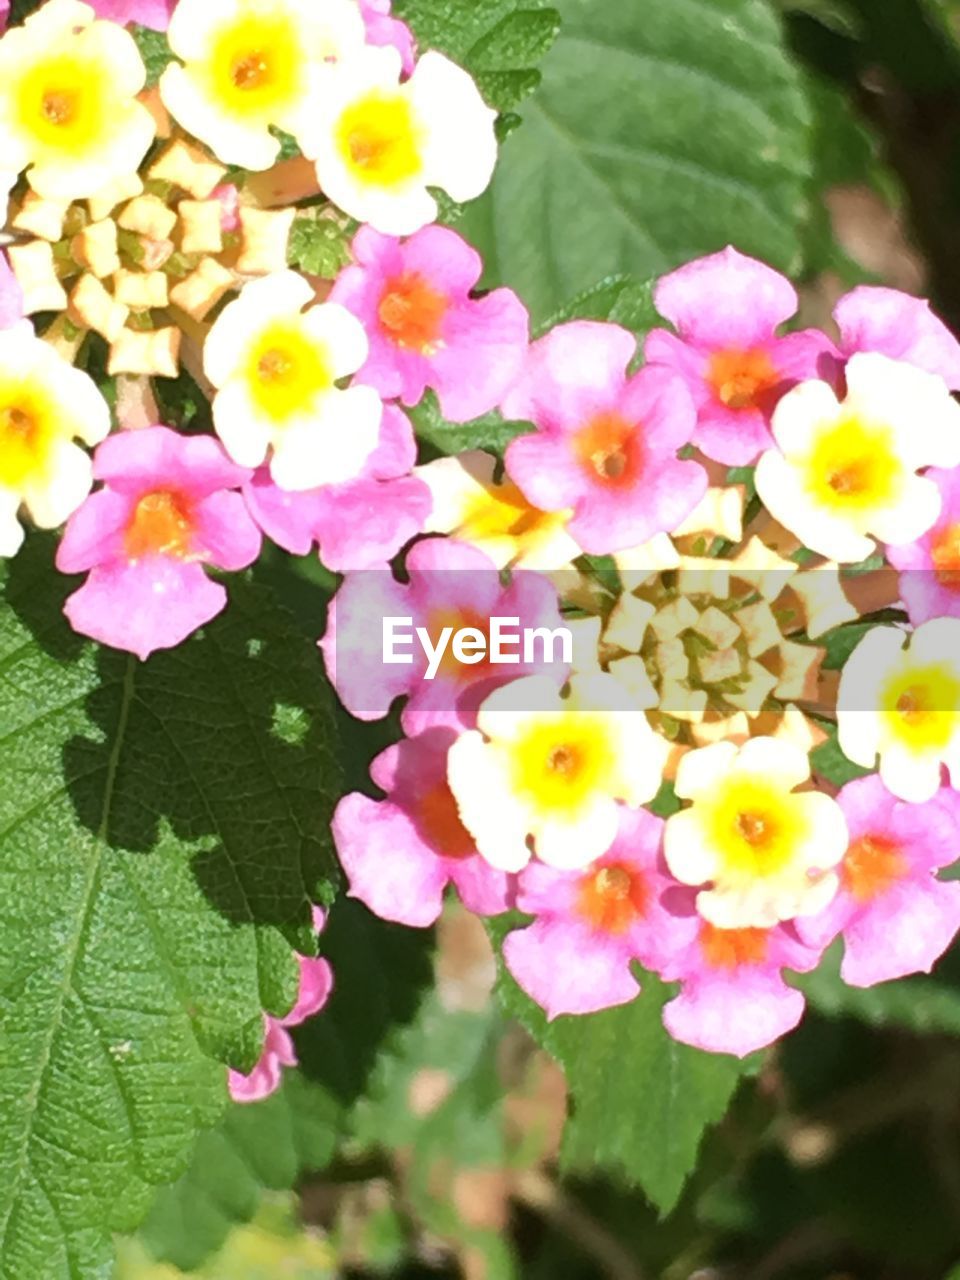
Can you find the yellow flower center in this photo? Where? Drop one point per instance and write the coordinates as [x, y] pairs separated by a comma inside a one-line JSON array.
[[62, 106], [286, 371], [755, 827], [27, 431], [922, 707], [162, 524], [256, 67], [564, 764], [379, 139], [853, 468], [503, 512]]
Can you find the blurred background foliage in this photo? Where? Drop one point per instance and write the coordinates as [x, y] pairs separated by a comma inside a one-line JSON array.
[[426, 1133]]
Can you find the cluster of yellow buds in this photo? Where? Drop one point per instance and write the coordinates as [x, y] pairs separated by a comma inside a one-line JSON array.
[[146, 259]]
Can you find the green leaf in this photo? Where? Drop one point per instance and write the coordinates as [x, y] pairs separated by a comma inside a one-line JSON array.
[[622, 300], [660, 131], [833, 14], [159, 846], [154, 50], [498, 41], [830, 762], [490, 432], [639, 1101], [921, 1004], [258, 1147], [319, 245]]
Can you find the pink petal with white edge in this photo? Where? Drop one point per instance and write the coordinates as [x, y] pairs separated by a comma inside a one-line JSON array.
[[95, 531], [573, 373], [725, 300], [316, 984], [264, 1079], [567, 968], [157, 458], [737, 1014], [152, 604], [906, 932], [388, 866], [897, 325], [11, 295]]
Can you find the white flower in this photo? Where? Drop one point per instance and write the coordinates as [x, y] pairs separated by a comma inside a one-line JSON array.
[[494, 517], [276, 367], [380, 144], [44, 404], [903, 704], [765, 850], [250, 64], [550, 770], [68, 108], [846, 470]]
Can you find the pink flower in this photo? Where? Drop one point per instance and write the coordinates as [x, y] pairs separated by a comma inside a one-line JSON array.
[[606, 444], [147, 13], [726, 309], [400, 853], [316, 983], [164, 513], [576, 956], [451, 585], [4, 14], [11, 295], [733, 997], [930, 566], [425, 330], [897, 325], [360, 524], [382, 29], [896, 917]]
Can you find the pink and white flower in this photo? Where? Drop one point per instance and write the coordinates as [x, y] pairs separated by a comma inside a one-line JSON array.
[[606, 443], [316, 983], [727, 310], [165, 512], [733, 998], [930, 566], [895, 915], [359, 524], [901, 327], [425, 330], [400, 853], [146, 13], [383, 29], [592, 924], [450, 585]]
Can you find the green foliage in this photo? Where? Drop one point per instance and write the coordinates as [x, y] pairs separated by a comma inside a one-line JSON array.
[[498, 41], [921, 1004], [660, 131], [154, 50], [258, 1147], [159, 849], [640, 1102], [319, 244], [490, 432]]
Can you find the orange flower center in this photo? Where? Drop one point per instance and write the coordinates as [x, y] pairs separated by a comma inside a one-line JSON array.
[[251, 71], [438, 821], [741, 379], [731, 948], [162, 525], [412, 313], [459, 620], [612, 898], [945, 553], [871, 865], [610, 449]]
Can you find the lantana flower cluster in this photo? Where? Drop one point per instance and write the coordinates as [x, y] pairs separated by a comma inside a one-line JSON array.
[[706, 512]]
